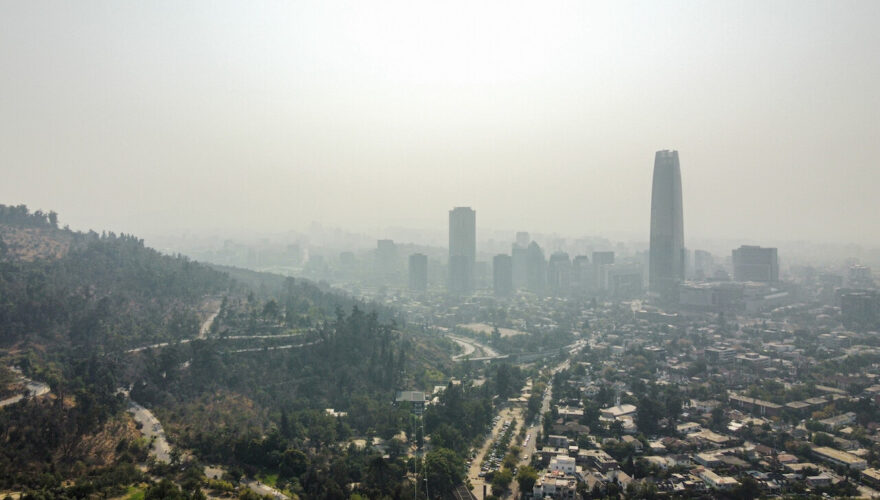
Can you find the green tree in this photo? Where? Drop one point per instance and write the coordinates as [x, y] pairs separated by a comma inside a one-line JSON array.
[[271, 310], [501, 481], [748, 489], [164, 490], [445, 470], [717, 417], [293, 463], [526, 477]]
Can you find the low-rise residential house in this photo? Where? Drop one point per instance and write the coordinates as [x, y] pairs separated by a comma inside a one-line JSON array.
[[572, 427], [675, 444], [618, 411], [565, 465], [706, 437], [660, 462], [703, 406], [801, 468], [680, 460], [555, 484], [688, 428], [597, 459], [715, 481], [707, 459], [819, 480], [620, 477], [556, 441], [570, 413], [548, 452], [657, 447]]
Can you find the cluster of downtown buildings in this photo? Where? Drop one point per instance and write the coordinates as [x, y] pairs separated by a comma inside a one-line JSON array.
[[668, 262]]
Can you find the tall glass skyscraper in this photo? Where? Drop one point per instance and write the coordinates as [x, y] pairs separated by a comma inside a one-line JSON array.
[[462, 249], [667, 257]]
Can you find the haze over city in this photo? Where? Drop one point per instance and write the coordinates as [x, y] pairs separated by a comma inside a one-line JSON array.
[[353, 250], [171, 117]]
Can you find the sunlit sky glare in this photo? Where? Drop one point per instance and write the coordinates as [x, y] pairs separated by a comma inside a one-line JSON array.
[[158, 117]]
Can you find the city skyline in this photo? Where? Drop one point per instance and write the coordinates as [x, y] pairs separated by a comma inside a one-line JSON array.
[[240, 254]]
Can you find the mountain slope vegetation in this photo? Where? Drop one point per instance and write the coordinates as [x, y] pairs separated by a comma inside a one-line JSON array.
[[90, 313]]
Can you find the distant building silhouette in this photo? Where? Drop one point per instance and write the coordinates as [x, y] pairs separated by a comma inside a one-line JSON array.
[[860, 309], [523, 239], [666, 261], [418, 272], [462, 249], [482, 275], [623, 280], [581, 274], [859, 276], [460, 275], [752, 263], [601, 261], [536, 269], [347, 261], [559, 274], [704, 264], [520, 261], [386, 259], [502, 272]]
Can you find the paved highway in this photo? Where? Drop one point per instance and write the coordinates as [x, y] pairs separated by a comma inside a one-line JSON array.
[[470, 346], [151, 428]]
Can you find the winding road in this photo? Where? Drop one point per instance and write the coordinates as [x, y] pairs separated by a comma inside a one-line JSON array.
[[471, 346], [34, 389], [151, 428]]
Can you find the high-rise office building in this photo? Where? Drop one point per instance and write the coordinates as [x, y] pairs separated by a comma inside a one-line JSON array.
[[601, 261], [559, 274], [462, 249], [520, 257], [418, 272], [460, 275], [536, 269], [502, 271], [522, 238], [752, 263], [581, 274], [386, 259], [704, 264], [666, 262]]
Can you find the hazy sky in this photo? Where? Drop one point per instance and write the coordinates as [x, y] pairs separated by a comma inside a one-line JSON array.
[[157, 116]]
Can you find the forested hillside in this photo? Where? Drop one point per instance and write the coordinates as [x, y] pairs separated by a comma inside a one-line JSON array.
[[106, 292], [91, 313], [70, 304]]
